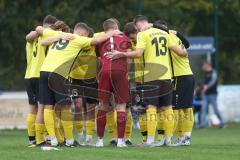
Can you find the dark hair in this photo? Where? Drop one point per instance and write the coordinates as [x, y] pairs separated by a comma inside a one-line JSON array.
[[161, 24], [139, 18], [91, 32], [110, 23], [60, 26], [49, 20], [130, 28]]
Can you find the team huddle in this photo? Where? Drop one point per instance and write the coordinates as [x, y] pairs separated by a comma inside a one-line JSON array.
[[78, 80]]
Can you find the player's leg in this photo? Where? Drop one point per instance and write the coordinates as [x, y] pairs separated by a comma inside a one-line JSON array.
[[112, 124], [160, 127], [148, 120], [178, 112], [151, 123], [39, 125], [58, 125], [101, 123], [185, 91], [166, 111], [45, 97], [90, 121], [50, 123], [48, 101], [32, 92], [143, 126], [121, 91], [121, 123], [104, 95], [31, 119], [142, 117], [78, 119], [67, 124], [129, 125]]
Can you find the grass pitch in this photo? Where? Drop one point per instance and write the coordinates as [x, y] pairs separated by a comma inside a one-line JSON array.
[[207, 144]]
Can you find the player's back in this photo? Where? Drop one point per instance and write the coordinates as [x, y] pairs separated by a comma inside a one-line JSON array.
[[119, 43], [156, 44], [62, 53], [180, 64]]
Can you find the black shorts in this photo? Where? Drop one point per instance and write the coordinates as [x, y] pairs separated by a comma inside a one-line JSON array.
[[157, 93], [52, 89], [183, 92], [88, 89], [32, 86]]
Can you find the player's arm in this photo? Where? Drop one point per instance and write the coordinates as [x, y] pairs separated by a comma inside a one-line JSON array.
[[31, 36], [56, 38], [104, 37], [132, 54], [173, 46], [39, 30], [181, 37], [140, 47], [179, 51]]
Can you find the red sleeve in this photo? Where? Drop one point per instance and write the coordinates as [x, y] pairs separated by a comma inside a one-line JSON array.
[[126, 44]]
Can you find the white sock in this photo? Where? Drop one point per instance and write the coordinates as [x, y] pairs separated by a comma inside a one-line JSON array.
[[89, 138], [81, 135], [188, 134], [100, 139], [121, 140], [54, 141], [69, 141], [150, 139]]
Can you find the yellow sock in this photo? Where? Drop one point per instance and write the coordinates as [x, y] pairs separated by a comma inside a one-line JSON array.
[[160, 126], [49, 122], [39, 132], [31, 119], [180, 127], [176, 119], [79, 126], [67, 123], [129, 123], [111, 124], [58, 133], [90, 124], [151, 121], [188, 121], [142, 119], [168, 121]]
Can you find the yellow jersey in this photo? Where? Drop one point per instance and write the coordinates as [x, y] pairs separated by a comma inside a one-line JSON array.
[[62, 54], [85, 66], [156, 44], [180, 65], [29, 49], [138, 67], [38, 55], [98, 34]]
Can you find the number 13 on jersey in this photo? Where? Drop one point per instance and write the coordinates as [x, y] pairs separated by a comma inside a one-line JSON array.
[[161, 45]]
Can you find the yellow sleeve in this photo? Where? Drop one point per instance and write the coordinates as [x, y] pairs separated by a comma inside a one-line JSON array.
[[49, 33], [98, 34], [172, 40], [84, 42], [141, 41]]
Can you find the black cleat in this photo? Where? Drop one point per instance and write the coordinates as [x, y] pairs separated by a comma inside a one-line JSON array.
[[113, 143], [43, 144], [128, 142]]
